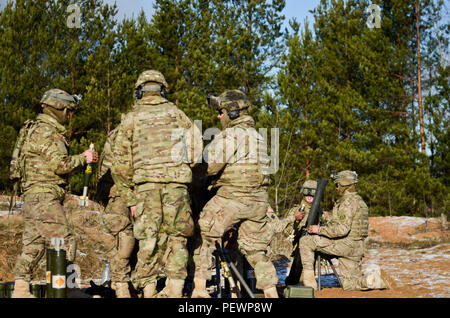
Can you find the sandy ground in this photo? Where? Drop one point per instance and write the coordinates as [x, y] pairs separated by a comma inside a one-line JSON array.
[[413, 252]]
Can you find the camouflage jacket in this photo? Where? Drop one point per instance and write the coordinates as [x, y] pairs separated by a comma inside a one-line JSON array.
[[237, 156], [47, 162], [290, 216], [154, 143], [350, 218], [280, 225]]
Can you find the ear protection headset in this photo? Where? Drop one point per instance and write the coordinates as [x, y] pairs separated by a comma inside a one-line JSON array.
[[139, 92]]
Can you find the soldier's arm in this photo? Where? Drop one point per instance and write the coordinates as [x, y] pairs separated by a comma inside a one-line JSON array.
[[215, 156], [340, 224], [220, 152], [193, 140], [122, 162], [54, 149], [289, 218]]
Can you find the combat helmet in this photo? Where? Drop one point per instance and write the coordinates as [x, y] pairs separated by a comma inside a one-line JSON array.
[[60, 99], [232, 101], [309, 188], [151, 76], [345, 178]]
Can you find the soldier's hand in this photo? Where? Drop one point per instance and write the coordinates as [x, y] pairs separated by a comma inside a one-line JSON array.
[[133, 211], [299, 215], [91, 156], [313, 229]]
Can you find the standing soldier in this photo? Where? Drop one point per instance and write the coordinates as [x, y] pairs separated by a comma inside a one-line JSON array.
[[117, 221], [342, 236], [43, 163], [152, 178], [242, 197]]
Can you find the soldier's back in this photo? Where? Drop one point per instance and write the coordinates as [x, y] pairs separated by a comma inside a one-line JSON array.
[[158, 127]]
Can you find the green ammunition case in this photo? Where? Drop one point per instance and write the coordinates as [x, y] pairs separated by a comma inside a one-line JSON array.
[[9, 289], [35, 289], [58, 269], [299, 292], [2, 291], [48, 275]]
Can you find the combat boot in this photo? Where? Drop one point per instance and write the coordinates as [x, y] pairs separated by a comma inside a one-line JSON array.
[[122, 290], [200, 289], [150, 290], [375, 281], [271, 292], [309, 279], [173, 289], [22, 289]]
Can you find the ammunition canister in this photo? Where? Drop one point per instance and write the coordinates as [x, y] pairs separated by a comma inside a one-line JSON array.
[[9, 289], [59, 268], [48, 275], [35, 289], [2, 291]]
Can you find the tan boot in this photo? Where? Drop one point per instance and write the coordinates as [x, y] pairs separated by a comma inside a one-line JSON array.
[[271, 292], [200, 289], [150, 291], [309, 279], [22, 290], [175, 288], [122, 290], [375, 281]]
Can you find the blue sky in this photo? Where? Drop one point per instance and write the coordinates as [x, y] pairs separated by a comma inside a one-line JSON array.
[[294, 8]]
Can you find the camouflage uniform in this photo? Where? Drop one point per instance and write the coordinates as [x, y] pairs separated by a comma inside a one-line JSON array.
[[241, 199], [44, 186], [289, 222], [280, 225], [116, 218], [146, 161], [342, 236]]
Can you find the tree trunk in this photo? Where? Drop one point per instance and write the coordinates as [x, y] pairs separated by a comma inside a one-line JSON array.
[[419, 80]]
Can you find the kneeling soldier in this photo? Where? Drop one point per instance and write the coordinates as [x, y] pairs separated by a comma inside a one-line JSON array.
[[343, 236]]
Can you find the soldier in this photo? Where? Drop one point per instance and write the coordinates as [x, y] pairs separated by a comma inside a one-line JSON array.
[[298, 212], [295, 222], [117, 221], [151, 170], [45, 165], [342, 236], [241, 197]]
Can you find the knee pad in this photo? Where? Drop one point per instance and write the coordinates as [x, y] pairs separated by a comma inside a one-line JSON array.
[[126, 245]]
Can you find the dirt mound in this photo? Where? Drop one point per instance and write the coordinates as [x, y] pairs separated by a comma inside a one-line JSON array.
[[94, 244], [407, 230]]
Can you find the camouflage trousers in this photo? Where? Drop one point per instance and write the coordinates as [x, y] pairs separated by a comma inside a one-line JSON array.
[[44, 219], [349, 253], [162, 225], [117, 221], [254, 235]]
